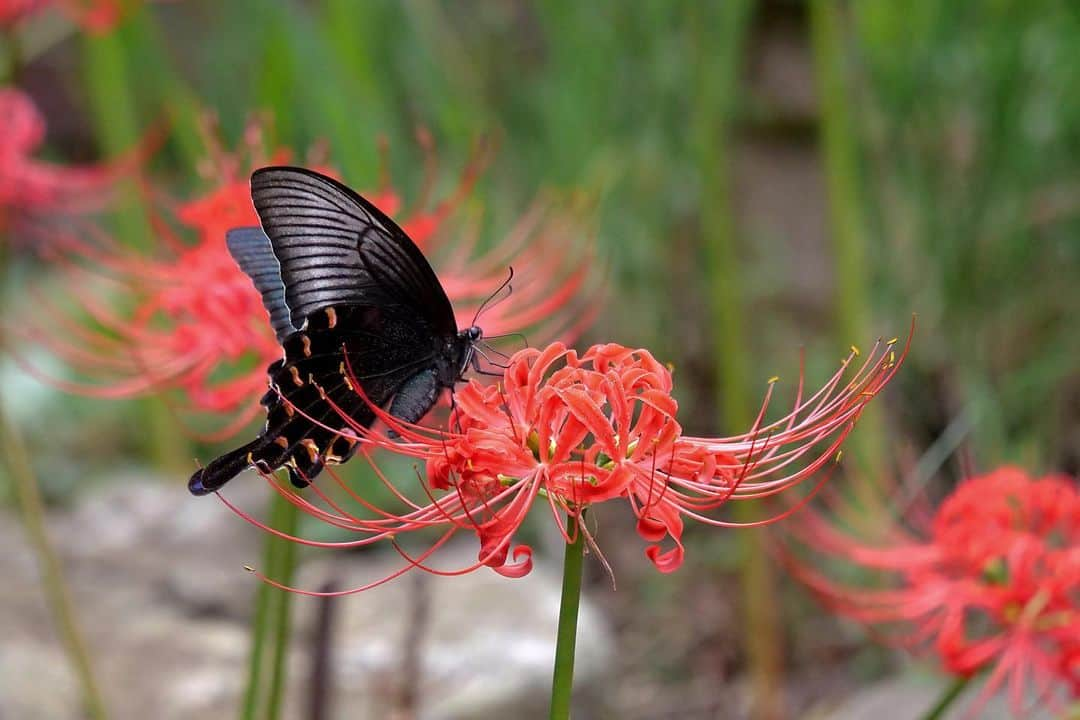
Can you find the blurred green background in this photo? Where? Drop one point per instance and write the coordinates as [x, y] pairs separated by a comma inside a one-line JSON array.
[[763, 176]]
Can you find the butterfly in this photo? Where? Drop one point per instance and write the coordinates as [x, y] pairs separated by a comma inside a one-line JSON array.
[[352, 300]]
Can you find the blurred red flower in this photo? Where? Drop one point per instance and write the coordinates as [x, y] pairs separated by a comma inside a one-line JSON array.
[[181, 314], [11, 11], [96, 16], [576, 431], [32, 191], [993, 582]]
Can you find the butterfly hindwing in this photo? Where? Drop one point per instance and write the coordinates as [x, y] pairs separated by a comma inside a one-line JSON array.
[[335, 248], [342, 349], [251, 250]]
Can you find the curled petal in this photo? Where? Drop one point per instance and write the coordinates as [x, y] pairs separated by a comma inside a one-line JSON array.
[[522, 565], [651, 530]]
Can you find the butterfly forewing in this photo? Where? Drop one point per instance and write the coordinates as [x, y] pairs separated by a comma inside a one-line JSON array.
[[336, 248]]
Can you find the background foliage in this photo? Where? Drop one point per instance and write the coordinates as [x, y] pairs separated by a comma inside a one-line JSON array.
[[955, 172]]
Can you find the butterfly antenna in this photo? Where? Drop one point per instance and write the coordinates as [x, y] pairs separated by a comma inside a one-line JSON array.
[[505, 284], [506, 335], [493, 349]]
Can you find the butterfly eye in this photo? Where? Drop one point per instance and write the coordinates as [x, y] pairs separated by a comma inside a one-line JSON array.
[[475, 333]]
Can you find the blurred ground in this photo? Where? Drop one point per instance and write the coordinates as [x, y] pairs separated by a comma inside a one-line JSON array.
[[161, 591]]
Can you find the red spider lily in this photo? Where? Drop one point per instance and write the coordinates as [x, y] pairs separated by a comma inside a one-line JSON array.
[[576, 431], [12, 11], [194, 322], [95, 16], [992, 584], [32, 190]]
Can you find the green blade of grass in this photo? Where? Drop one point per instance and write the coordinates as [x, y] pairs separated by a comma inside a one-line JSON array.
[[720, 45], [116, 117], [853, 303]]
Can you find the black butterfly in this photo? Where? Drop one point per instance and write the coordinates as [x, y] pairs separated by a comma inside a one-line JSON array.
[[352, 299]]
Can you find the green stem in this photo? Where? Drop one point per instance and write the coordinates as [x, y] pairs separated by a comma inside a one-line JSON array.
[[719, 40], [840, 156], [106, 67], [13, 57], [563, 680], [258, 641], [955, 689], [175, 98], [271, 621], [259, 630], [52, 578], [281, 613]]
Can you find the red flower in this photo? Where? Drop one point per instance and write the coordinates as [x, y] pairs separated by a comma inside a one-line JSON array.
[[195, 323], [96, 16], [11, 11], [31, 190], [992, 584], [575, 431]]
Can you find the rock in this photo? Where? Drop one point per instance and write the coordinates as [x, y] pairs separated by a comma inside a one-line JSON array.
[[181, 667], [182, 550], [36, 681], [127, 555], [486, 648], [156, 577]]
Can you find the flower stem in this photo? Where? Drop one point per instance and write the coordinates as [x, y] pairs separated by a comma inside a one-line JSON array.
[[107, 77], [840, 158], [563, 680], [259, 631], [955, 689], [281, 612], [52, 578], [719, 40], [271, 622]]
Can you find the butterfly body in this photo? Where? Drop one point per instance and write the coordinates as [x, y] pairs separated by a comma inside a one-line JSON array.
[[353, 301]]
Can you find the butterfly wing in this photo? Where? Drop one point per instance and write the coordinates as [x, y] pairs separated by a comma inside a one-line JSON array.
[[335, 248], [313, 405], [251, 250], [315, 388], [352, 301]]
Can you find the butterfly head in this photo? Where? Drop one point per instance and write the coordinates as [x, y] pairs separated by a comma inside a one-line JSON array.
[[466, 348]]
